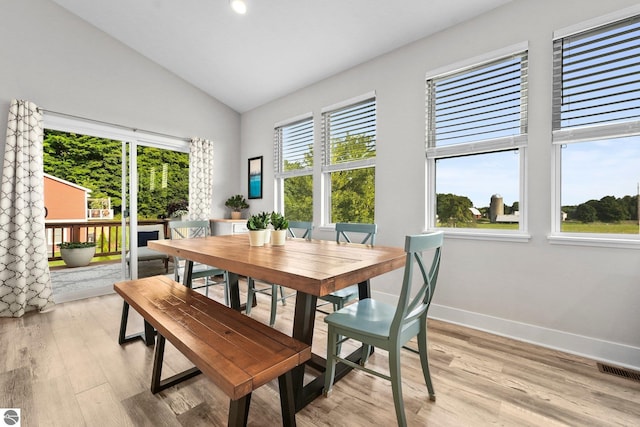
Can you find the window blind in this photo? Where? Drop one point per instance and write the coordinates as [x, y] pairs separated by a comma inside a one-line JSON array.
[[293, 148], [350, 134], [597, 76], [487, 102]]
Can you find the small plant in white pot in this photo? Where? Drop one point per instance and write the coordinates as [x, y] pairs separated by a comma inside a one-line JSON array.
[[257, 226], [237, 204], [77, 254], [280, 225]]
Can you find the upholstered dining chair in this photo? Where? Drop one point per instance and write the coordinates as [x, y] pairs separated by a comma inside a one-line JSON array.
[[378, 324], [345, 232], [188, 229], [277, 292]]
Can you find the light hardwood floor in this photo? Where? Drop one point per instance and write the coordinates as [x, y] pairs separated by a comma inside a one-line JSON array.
[[65, 368]]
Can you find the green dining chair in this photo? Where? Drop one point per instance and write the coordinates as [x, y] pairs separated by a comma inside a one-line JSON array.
[[378, 324], [277, 292], [188, 229], [345, 232]]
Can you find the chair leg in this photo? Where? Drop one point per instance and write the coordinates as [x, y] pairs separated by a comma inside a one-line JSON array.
[[282, 298], [226, 288], [396, 385], [206, 287], [330, 368], [337, 306], [250, 294], [274, 304], [424, 361], [366, 351]]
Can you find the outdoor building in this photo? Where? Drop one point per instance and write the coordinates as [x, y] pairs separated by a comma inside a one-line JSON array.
[[64, 200]]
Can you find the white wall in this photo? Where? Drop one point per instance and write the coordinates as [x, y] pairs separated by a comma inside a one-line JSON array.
[[580, 299], [63, 64]]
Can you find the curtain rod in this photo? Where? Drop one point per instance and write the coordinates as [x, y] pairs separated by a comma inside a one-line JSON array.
[[44, 110]]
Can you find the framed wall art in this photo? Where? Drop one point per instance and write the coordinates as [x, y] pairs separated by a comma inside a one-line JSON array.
[[255, 178]]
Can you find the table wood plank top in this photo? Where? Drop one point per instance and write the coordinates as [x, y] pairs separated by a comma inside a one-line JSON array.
[[316, 267]]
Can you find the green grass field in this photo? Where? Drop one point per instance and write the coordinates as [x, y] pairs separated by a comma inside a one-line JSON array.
[[624, 227]]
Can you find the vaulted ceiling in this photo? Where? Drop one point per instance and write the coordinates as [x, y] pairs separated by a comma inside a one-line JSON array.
[[277, 47]]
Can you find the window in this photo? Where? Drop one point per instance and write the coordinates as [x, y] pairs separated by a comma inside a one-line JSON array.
[[596, 130], [476, 141], [348, 167], [293, 156]]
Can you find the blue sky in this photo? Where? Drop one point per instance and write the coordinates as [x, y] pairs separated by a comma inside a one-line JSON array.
[[590, 170]]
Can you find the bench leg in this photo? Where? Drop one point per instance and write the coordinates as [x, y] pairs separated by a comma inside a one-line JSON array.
[[287, 401], [157, 383], [146, 336], [239, 411]]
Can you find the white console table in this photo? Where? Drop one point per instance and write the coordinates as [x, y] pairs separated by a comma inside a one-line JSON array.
[[220, 227]]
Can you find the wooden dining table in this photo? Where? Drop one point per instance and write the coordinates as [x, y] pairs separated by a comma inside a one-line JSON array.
[[311, 267]]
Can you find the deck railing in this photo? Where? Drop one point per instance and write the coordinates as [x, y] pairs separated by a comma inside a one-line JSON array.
[[106, 234]]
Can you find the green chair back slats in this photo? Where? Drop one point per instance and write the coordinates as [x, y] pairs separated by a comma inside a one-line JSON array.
[[195, 229]]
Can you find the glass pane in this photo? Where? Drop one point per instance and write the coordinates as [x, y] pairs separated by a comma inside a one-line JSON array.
[[599, 192], [352, 132], [298, 198], [83, 203], [484, 103], [479, 191], [297, 146], [163, 183], [599, 75], [353, 196]]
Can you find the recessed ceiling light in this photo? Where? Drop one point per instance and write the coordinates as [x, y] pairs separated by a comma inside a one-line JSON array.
[[239, 6]]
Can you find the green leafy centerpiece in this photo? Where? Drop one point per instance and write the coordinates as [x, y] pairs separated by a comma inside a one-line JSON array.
[[257, 225], [280, 225]]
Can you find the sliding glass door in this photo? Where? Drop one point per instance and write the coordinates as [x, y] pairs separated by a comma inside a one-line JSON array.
[[112, 188]]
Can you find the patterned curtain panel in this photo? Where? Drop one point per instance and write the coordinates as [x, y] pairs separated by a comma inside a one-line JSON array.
[[200, 179], [25, 281]]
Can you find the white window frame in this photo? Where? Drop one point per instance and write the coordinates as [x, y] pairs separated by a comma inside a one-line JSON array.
[[328, 168], [518, 142], [280, 175], [584, 134]]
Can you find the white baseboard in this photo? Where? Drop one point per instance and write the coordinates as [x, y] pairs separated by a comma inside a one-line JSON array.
[[616, 354]]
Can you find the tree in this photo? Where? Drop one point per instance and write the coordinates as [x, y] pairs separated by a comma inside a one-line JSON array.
[[610, 209], [353, 190], [96, 163], [298, 190], [298, 198], [585, 213], [452, 209], [630, 206]]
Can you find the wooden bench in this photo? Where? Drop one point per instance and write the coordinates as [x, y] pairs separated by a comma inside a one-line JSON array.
[[238, 353]]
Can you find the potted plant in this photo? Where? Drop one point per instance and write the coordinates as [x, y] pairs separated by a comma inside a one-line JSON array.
[[178, 209], [257, 226], [237, 204], [77, 254], [280, 225]]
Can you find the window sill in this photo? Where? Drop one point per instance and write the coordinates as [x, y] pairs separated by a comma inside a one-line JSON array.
[[468, 234], [598, 240]]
